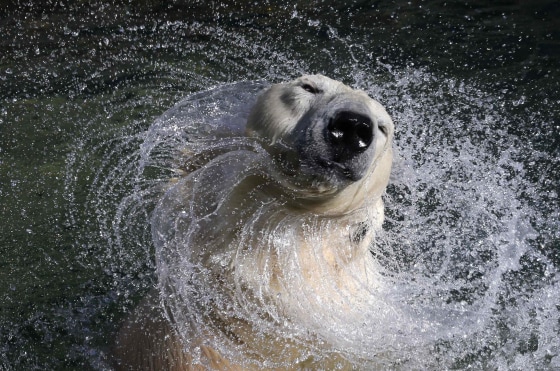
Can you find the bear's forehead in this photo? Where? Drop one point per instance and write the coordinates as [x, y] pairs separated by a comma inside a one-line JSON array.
[[322, 81]]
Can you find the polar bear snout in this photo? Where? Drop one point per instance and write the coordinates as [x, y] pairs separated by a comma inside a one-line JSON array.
[[322, 133], [349, 134]]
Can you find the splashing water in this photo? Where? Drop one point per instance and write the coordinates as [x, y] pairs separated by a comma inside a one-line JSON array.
[[465, 270], [455, 263], [461, 272], [226, 223], [461, 237]]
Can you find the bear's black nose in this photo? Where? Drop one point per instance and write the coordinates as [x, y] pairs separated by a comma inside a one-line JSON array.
[[349, 134]]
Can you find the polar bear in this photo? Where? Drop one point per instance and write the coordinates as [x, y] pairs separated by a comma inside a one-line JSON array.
[[266, 239]]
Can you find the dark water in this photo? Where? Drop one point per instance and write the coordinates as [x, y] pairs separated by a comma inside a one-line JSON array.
[[474, 90]]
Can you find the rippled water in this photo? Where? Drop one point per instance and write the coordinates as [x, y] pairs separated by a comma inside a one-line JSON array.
[[470, 247]]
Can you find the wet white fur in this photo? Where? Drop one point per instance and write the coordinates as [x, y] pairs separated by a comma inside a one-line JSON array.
[[318, 272]]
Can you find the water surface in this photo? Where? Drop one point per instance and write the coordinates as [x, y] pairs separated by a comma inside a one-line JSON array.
[[473, 206]]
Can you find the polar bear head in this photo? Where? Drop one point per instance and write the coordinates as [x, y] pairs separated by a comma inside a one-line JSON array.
[[332, 141]]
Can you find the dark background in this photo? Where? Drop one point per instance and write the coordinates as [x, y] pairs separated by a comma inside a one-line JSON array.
[[74, 74]]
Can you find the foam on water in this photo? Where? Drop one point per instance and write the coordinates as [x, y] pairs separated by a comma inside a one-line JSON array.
[[459, 273]]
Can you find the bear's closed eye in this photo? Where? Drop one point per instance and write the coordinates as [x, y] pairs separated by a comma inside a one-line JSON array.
[[310, 88]]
